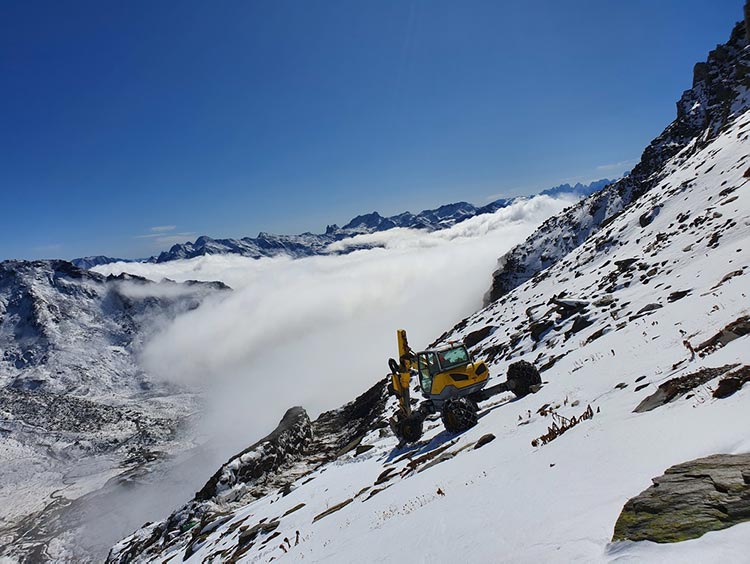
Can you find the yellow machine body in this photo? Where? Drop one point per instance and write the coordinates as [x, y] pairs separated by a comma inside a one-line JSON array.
[[449, 372], [453, 384], [444, 373]]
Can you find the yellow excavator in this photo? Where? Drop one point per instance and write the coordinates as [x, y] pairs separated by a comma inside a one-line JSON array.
[[451, 382]]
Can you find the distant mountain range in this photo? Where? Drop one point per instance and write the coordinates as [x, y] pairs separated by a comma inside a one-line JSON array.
[[308, 244]]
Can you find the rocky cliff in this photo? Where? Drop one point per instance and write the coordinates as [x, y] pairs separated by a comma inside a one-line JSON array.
[[718, 95]]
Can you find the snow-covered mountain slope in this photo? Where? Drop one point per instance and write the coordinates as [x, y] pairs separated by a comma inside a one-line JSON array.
[[65, 329], [76, 409], [719, 93], [308, 244], [654, 305]]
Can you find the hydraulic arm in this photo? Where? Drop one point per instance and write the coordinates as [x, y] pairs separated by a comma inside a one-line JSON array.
[[401, 372]]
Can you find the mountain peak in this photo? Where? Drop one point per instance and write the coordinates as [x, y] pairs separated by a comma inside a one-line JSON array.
[[720, 92], [369, 220]]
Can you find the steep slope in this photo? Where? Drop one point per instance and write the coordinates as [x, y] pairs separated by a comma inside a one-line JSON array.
[[76, 409], [719, 93], [651, 311], [65, 329], [292, 452]]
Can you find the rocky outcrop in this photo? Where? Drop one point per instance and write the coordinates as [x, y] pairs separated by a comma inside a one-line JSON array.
[[732, 382], [718, 95], [273, 464], [675, 388], [286, 443], [689, 500]]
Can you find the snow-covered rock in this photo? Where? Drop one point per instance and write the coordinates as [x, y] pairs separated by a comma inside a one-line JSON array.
[[720, 92], [66, 329], [293, 452]]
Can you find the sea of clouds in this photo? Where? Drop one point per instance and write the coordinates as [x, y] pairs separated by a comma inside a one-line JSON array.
[[318, 331], [314, 332]]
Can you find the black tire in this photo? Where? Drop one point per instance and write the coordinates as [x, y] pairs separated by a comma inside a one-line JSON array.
[[459, 415], [521, 377], [409, 429]]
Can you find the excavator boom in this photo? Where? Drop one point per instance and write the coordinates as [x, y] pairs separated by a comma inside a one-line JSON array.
[[401, 372]]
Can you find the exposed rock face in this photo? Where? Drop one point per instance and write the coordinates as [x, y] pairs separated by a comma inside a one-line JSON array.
[[66, 329], [738, 328], [718, 95], [732, 382], [294, 449], [283, 445], [678, 387], [689, 500]]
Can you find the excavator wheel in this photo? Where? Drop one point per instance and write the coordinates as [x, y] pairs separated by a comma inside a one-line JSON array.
[[409, 429], [459, 415], [522, 377]]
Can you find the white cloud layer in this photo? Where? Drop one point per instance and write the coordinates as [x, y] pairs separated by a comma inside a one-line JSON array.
[[318, 331]]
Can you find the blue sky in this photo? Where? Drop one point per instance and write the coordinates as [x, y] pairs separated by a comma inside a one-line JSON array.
[[127, 124]]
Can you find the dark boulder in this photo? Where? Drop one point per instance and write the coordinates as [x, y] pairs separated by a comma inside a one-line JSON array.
[[732, 382], [483, 440], [689, 500], [475, 337]]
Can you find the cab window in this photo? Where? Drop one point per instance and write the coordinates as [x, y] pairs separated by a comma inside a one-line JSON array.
[[451, 358], [428, 367]]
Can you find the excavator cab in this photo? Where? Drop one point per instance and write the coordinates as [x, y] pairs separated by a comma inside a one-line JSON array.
[[449, 372]]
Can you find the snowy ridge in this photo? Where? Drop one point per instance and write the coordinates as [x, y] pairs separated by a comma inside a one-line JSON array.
[[645, 300], [291, 453], [308, 244], [719, 93], [65, 329]]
